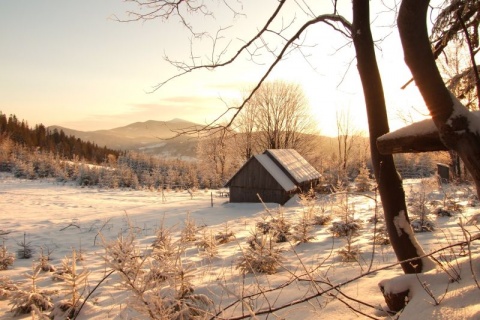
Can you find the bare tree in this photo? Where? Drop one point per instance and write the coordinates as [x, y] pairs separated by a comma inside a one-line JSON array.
[[389, 182], [347, 137], [278, 116], [246, 136], [216, 158]]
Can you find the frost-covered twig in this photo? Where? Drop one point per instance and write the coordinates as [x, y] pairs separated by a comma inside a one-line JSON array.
[[468, 240], [100, 231], [335, 287]]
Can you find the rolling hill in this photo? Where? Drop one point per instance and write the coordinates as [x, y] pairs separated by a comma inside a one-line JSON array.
[[152, 137]]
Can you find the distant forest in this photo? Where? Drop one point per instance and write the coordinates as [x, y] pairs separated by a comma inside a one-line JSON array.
[[57, 142]]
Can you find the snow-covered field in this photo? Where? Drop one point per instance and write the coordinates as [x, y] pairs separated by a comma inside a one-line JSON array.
[[60, 218]]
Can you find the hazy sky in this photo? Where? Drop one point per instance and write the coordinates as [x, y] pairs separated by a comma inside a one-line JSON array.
[[69, 63]]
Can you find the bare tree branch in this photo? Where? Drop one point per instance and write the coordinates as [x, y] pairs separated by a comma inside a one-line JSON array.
[[327, 18], [331, 286]]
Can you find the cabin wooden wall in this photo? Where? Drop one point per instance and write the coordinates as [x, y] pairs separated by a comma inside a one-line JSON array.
[[253, 178]]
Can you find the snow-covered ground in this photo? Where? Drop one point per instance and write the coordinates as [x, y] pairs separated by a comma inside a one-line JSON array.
[[60, 218]]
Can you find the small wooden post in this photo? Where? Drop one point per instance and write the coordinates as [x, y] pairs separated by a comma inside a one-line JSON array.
[[211, 196]]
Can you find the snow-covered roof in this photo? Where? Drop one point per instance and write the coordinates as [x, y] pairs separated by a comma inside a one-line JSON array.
[[276, 172], [427, 126], [286, 166], [298, 168], [415, 129]]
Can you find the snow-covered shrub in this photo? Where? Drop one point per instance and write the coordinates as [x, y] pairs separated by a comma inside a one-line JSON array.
[[349, 253], [263, 226], [189, 231], [7, 286], [23, 169], [160, 289], [321, 219], [348, 230], [441, 212], [6, 258], [454, 205], [87, 176], [225, 236], [254, 240], [309, 204], [65, 268], [472, 198], [188, 305], [362, 181], [262, 255], [44, 165], [418, 202], [303, 229], [381, 236], [22, 301], [275, 224], [281, 229], [6, 149], [419, 225], [127, 177], [176, 299], [164, 248], [123, 255], [345, 229], [44, 260], [67, 308], [344, 209], [207, 244]]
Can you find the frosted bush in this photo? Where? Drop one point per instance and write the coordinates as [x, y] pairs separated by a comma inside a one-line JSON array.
[[208, 244], [7, 286], [225, 236], [188, 234], [164, 248], [344, 229], [24, 301], [422, 225], [362, 181], [260, 256], [73, 281], [321, 219], [6, 258]]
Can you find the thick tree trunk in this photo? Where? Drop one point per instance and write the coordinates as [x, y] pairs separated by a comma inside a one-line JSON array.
[[458, 128], [388, 180]]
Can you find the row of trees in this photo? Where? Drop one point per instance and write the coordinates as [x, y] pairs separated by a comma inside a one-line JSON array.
[[128, 170], [55, 141]]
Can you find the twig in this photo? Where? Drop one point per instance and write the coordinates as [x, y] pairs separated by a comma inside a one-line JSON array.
[[352, 308], [91, 292], [469, 239], [100, 231], [336, 287], [70, 225], [429, 291]]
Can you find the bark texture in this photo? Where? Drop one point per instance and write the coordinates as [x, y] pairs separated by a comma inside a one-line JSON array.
[[389, 182]]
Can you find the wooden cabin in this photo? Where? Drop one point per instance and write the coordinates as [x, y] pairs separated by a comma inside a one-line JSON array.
[[275, 176]]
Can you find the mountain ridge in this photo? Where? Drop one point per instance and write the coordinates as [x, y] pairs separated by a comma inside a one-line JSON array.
[[152, 136]]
